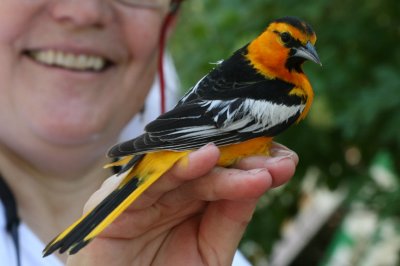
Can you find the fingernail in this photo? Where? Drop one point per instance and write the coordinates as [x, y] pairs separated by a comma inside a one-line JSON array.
[[207, 146], [277, 152], [185, 161], [277, 159], [278, 155]]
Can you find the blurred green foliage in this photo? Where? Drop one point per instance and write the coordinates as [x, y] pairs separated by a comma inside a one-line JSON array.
[[357, 102]]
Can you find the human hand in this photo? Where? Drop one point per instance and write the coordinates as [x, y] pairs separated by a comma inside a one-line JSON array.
[[195, 214]]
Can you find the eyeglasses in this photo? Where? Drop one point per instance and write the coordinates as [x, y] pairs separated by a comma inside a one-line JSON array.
[[153, 4]]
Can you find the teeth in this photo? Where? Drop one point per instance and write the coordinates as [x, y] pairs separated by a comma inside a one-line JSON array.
[[68, 60]]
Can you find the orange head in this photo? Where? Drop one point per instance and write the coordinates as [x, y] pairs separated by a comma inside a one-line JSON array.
[[283, 47]]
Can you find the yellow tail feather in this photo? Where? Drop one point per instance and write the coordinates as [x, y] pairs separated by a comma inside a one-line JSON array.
[[149, 170], [146, 172]]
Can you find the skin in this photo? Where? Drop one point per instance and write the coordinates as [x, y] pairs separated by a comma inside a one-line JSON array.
[[57, 124]]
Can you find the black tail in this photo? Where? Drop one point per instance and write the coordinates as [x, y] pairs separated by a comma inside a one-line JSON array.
[[75, 238]]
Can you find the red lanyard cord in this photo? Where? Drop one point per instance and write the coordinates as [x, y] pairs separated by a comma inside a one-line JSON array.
[[163, 34]]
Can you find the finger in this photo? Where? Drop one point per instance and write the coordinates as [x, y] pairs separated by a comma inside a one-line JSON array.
[[221, 229], [276, 150], [222, 183], [279, 150], [217, 230], [197, 164], [281, 164]]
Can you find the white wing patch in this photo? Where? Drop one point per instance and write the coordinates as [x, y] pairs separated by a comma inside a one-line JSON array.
[[265, 114], [268, 114], [219, 104]]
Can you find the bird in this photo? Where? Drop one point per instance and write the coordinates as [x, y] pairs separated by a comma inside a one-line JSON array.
[[240, 105]]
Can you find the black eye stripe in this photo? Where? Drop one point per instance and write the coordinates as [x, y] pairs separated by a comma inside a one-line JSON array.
[[291, 42]]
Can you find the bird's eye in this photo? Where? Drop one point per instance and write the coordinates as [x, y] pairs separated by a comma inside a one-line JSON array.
[[286, 37]]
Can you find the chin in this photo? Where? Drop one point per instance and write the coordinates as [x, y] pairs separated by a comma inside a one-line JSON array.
[[69, 137], [60, 133]]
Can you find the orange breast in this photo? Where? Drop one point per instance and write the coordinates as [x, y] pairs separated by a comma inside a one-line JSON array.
[[231, 153]]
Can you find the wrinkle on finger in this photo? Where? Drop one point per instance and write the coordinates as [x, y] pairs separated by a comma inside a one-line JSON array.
[[229, 184], [197, 164]]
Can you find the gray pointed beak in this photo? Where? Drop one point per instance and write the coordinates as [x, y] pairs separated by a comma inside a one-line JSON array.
[[308, 52]]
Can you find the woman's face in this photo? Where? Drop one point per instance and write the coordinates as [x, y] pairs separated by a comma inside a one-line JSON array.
[[73, 71]]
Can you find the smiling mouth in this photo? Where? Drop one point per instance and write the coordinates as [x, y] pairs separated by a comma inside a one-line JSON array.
[[69, 61]]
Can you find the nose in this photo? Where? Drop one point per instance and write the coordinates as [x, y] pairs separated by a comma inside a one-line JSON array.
[[80, 12]]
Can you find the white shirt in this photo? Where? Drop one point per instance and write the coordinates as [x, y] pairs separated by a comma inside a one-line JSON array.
[[30, 245]]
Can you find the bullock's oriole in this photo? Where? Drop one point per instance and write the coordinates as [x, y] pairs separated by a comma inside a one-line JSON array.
[[240, 105]]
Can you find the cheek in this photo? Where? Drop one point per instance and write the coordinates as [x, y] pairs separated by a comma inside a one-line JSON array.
[[143, 39], [143, 42], [15, 17], [12, 27], [15, 21]]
